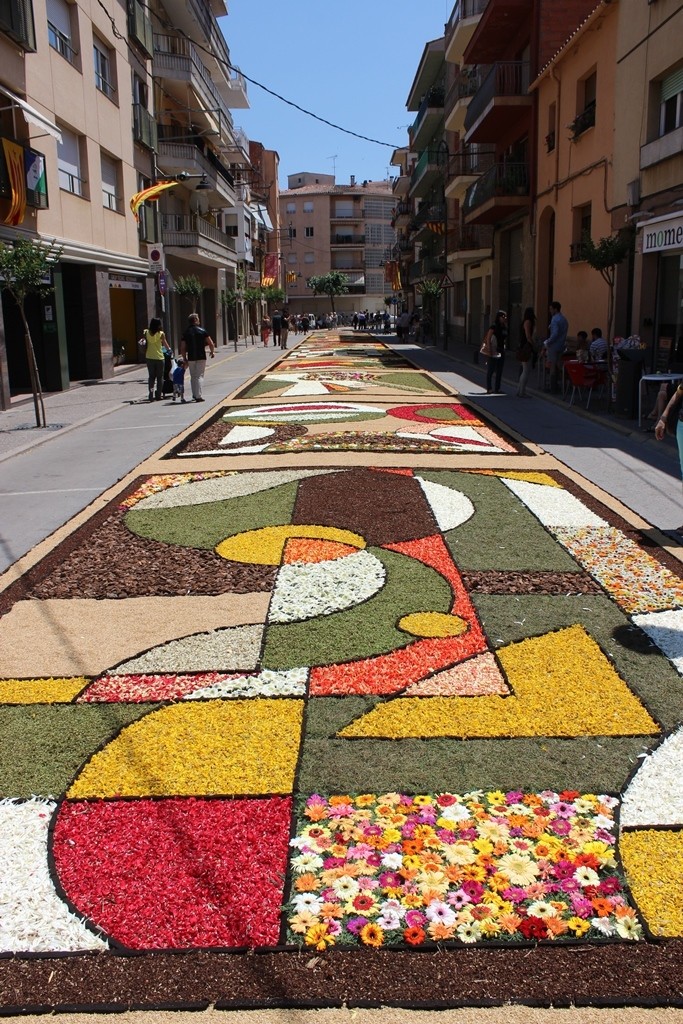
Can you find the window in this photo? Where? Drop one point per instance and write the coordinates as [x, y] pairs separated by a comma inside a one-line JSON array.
[[69, 163], [104, 67], [308, 232], [308, 207], [59, 34], [582, 231], [291, 257], [586, 98], [671, 107], [290, 208], [111, 174], [552, 120], [16, 20], [309, 257], [343, 208]]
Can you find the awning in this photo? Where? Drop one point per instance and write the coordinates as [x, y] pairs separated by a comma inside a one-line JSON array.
[[265, 219], [355, 280], [32, 115]]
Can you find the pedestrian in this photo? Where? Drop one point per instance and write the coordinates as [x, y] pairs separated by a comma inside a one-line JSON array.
[[493, 347], [193, 349], [527, 350], [582, 353], [265, 329], [276, 323], [555, 343], [403, 326], [673, 414], [387, 322], [284, 328], [178, 378], [153, 341], [598, 349]]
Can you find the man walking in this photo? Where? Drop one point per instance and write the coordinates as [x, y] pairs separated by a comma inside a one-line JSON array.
[[555, 343], [193, 348], [284, 328]]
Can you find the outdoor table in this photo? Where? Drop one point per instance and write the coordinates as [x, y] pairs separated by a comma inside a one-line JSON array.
[[649, 378]]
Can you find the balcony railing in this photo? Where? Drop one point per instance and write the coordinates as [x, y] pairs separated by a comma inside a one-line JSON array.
[[430, 158], [144, 127], [433, 100], [506, 78], [469, 161], [464, 9], [426, 266], [470, 237], [59, 42], [577, 252], [500, 180], [185, 231], [583, 121], [428, 213], [347, 240], [69, 182], [140, 27], [177, 57], [467, 83]]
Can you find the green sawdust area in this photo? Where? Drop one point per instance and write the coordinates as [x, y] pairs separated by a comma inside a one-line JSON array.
[[502, 534], [332, 765], [403, 380], [50, 743], [367, 629], [206, 525]]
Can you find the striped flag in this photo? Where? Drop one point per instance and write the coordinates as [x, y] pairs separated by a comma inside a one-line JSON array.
[[14, 158], [269, 272], [147, 194]]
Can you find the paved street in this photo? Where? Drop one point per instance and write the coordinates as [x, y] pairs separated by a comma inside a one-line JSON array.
[[100, 431]]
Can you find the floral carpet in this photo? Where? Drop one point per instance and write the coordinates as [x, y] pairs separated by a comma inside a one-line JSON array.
[[356, 711]]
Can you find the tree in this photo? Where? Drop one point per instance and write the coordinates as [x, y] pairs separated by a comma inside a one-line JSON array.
[[273, 294], [334, 283], [229, 300], [26, 267], [189, 287], [432, 290], [605, 256], [252, 298]]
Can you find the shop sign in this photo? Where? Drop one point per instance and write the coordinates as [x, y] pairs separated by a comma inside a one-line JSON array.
[[664, 234], [122, 281]]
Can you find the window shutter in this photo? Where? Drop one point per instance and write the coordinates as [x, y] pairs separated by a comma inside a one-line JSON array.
[[672, 84]]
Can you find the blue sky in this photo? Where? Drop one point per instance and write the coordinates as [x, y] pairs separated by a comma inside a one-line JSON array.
[[352, 64]]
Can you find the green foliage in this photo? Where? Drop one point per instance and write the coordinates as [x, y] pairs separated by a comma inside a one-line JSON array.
[[229, 298], [334, 283], [252, 296], [273, 293], [607, 253], [26, 267], [431, 289], [189, 287]]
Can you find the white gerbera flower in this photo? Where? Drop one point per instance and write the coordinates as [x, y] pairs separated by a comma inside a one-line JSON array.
[[456, 812], [393, 861], [603, 925], [389, 920], [539, 908], [441, 912], [586, 876], [307, 902], [470, 932], [628, 928], [345, 887], [306, 862]]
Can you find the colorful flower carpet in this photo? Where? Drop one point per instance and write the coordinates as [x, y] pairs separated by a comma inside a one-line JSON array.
[[360, 711]]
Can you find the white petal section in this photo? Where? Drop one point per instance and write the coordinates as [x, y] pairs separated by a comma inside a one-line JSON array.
[[223, 650], [251, 449], [33, 919], [465, 439], [666, 630], [305, 590], [303, 412], [655, 794], [553, 505], [240, 435], [451, 508], [268, 683], [222, 487], [306, 387]]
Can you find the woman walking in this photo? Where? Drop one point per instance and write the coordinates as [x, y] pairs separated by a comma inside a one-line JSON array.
[[153, 341], [526, 350]]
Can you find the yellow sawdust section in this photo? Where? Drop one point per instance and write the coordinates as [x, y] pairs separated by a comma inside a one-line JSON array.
[[563, 686], [199, 749], [653, 862], [266, 546], [531, 478], [433, 624], [40, 691]]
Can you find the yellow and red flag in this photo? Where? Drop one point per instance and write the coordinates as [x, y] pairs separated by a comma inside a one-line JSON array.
[[269, 273], [147, 194], [14, 158]]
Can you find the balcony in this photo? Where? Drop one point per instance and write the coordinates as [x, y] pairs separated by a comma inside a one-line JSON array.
[[402, 214], [501, 101], [465, 166], [428, 170], [401, 185], [347, 239], [430, 219], [178, 63], [194, 237], [175, 157], [428, 266], [353, 215], [471, 241], [144, 127], [663, 148], [188, 16], [140, 27], [467, 83], [583, 121], [500, 192], [460, 28], [428, 117]]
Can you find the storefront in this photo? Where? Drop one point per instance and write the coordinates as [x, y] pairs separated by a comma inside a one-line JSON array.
[[662, 256]]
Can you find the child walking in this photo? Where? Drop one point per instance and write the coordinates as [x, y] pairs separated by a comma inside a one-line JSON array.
[[178, 378]]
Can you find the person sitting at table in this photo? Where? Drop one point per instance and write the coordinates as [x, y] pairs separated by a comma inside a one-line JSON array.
[[598, 349], [582, 346], [666, 390]]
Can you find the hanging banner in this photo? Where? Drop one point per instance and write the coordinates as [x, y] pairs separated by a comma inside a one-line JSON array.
[[392, 274], [269, 274], [147, 194], [14, 158]]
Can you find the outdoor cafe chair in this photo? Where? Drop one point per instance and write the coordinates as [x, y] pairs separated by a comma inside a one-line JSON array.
[[584, 377]]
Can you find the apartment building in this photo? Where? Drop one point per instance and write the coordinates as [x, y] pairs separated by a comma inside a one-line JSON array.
[[99, 103], [324, 227]]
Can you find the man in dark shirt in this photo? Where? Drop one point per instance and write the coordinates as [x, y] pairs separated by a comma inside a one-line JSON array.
[[193, 348]]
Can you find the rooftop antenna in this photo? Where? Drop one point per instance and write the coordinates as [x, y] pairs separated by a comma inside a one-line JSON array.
[[333, 158]]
